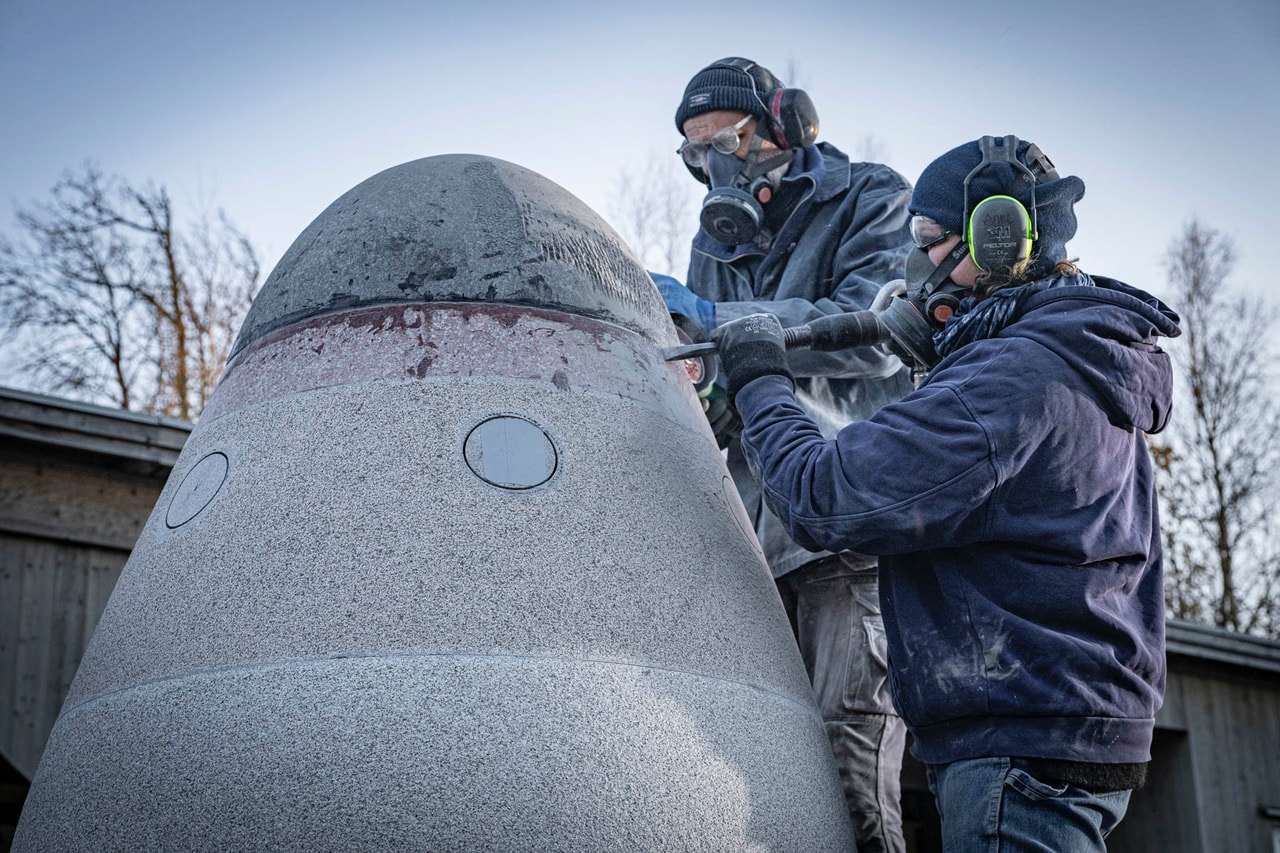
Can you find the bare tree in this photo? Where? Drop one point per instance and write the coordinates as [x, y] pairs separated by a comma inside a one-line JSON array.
[[653, 208], [222, 276], [69, 285], [107, 296], [1217, 464]]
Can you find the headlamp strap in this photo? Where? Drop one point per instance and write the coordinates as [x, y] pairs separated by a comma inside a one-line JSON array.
[[766, 166]]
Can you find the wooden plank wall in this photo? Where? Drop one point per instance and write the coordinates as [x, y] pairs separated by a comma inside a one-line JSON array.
[[51, 595], [1215, 764], [67, 524], [1234, 733]]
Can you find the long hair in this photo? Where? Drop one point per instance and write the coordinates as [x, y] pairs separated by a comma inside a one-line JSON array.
[[998, 279]]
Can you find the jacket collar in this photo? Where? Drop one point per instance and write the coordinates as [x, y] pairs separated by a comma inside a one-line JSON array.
[[834, 177]]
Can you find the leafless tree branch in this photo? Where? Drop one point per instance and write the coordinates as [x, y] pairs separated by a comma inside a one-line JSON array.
[[1217, 464], [117, 301], [654, 208]]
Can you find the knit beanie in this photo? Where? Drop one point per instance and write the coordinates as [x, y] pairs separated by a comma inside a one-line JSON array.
[[939, 195], [717, 87]]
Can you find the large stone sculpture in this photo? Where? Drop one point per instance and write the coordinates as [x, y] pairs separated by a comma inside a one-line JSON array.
[[450, 562]]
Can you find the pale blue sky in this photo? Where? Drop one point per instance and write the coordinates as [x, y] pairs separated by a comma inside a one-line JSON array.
[[272, 110]]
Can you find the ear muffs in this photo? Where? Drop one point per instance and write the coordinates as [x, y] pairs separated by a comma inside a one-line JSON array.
[[1000, 233], [790, 116], [794, 118]]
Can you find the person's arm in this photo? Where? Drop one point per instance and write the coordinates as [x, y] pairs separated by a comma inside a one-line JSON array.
[[916, 475], [871, 253], [683, 301]]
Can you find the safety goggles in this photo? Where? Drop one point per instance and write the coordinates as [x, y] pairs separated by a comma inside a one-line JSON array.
[[725, 140], [925, 231]]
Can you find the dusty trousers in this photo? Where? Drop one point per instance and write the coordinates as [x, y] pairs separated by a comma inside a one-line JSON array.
[[834, 608]]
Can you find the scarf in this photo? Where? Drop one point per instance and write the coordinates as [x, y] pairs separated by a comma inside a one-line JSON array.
[[980, 318]]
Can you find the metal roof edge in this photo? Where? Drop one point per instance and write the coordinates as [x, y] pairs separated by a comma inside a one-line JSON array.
[[1219, 645], [63, 423]]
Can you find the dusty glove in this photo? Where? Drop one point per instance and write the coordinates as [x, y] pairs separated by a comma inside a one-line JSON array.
[[724, 420], [683, 301], [751, 347]]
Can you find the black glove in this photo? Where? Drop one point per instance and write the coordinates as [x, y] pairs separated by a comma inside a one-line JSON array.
[[751, 347], [725, 423]]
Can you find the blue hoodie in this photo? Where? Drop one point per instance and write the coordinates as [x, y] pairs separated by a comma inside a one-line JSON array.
[[1012, 501]]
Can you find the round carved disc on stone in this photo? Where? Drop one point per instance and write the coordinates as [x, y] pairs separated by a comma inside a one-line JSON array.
[[198, 489], [510, 453]]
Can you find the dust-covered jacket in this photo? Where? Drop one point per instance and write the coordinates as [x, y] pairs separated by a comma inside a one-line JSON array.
[[846, 236], [1011, 500]]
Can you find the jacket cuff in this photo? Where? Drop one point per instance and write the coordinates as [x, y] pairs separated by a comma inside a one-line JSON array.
[[753, 360]]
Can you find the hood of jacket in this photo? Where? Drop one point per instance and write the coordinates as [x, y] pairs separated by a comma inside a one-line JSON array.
[[1109, 333]]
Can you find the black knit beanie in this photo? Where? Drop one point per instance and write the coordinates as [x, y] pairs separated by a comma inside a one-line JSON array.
[[718, 87], [939, 195]]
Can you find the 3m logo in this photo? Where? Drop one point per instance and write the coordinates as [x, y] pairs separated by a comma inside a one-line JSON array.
[[698, 100]]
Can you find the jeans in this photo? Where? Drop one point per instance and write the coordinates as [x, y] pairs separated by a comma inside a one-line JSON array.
[[835, 612], [994, 805]]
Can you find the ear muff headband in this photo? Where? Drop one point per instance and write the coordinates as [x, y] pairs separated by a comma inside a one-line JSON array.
[[999, 233], [791, 115], [1004, 233]]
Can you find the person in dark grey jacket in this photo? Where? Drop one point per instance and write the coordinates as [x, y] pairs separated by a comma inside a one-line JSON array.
[[1012, 503], [792, 227]]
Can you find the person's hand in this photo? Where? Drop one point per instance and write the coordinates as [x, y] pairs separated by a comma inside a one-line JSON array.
[[683, 301], [724, 420], [751, 347]]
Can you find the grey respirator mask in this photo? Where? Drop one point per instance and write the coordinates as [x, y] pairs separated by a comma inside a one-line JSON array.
[[733, 211], [914, 309]]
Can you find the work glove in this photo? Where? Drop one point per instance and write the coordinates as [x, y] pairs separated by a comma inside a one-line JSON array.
[[683, 301], [725, 423], [751, 347]]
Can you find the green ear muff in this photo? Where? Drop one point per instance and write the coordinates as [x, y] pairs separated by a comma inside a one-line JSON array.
[[999, 233]]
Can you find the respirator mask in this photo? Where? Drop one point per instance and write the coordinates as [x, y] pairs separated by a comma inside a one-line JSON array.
[[914, 309], [733, 211]]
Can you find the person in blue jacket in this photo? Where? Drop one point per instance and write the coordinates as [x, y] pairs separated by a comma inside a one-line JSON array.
[[1011, 500], [791, 226]]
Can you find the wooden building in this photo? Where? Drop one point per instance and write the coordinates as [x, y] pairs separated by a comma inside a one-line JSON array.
[[77, 482], [1214, 782]]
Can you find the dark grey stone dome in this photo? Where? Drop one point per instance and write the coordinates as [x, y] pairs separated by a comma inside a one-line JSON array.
[[458, 228]]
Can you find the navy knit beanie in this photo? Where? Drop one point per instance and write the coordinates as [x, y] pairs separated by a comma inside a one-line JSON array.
[[723, 88], [939, 195]]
